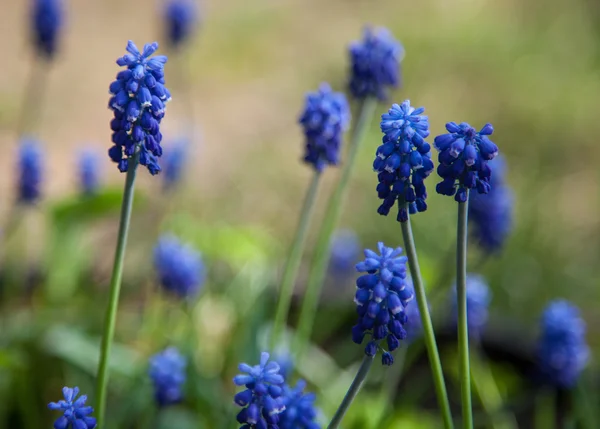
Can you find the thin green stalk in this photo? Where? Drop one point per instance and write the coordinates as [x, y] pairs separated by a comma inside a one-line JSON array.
[[463, 329], [428, 334], [357, 383], [35, 92], [332, 214], [294, 258], [115, 287], [545, 409]]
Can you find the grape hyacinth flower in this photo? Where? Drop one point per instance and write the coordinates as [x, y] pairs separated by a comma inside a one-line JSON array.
[[30, 172], [491, 214], [413, 325], [75, 414], [403, 161], [167, 372], [262, 401], [375, 64], [562, 350], [179, 267], [325, 117], [138, 98], [174, 162], [180, 20], [47, 19], [345, 248], [478, 302], [464, 155], [88, 172], [300, 412], [381, 298]]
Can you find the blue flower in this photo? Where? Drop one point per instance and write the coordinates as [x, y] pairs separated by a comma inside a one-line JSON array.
[[286, 362], [88, 172], [262, 401], [180, 20], [174, 162], [300, 411], [478, 302], [403, 161], [381, 297], [375, 64], [47, 18], [75, 413], [167, 372], [345, 248], [562, 350], [463, 158], [30, 172], [413, 326], [491, 214], [179, 267], [325, 117], [138, 98]]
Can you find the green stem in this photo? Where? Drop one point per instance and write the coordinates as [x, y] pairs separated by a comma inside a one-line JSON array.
[[463, 329], [428, 334], [332, 214], [545, 409], [294, 258], [115, 287], [35, 92], [357, 383]]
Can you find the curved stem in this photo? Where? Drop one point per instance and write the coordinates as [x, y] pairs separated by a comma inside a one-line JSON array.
[[428, 334], [332, 214], [357, 383], [463, 329], [294, 258], [115, 287], [35, 92]]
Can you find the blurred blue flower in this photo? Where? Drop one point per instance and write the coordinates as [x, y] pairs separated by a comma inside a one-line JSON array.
[[478, 302], [463, 158], [174, 161], [381, 297], [562, 350], [75, 414], [300, 411], [413, 325], [167, 372], [138, 98], [491, 214], [262, 401], [403, 161], [345, 249], [30, 171], [181, 17], [47, 19], [89, 179], [375, 64], [325, 117], [179, 267], [286, 363]]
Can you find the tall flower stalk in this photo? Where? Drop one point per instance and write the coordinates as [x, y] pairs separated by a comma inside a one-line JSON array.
[[138, 103]]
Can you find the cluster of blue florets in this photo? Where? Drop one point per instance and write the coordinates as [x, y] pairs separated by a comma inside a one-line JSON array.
[[76, 415], [325, 117], [381, 297], [30, 172], [174, 161], [300, 411], [138, 101], [464, 155], [478, 302], [180, 20], [167, 372], [47, 19], [179, 267], [403, 161], [89, 179]]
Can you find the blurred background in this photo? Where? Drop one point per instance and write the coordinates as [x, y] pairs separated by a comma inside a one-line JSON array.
[[530, 68]]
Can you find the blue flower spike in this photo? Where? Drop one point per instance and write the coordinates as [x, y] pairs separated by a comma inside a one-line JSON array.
[[463, 156], [76, 415], [30, 172], [375, 64], [403, 161], [167, 372], [381, 296], [479, 297], [138, 99], [175, 160], [262, 401], [89, 179], [300, 411], [324, 119], [345, 248], [181, 17], [179, 267], [46, 22]]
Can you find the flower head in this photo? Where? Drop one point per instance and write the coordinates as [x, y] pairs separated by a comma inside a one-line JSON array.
[[47, 18], [75, 414], [464, 156], [490, 214], [88, 172], [167, 372], [478, 302], [375, 64], [403, 161], [325, 117], [381, 297], [181, 17], [138, 98], [262, 400], [30, 172], [413, 326], [175, 160], [179, 267], [562, 351], [345, 248], [300, 411]]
